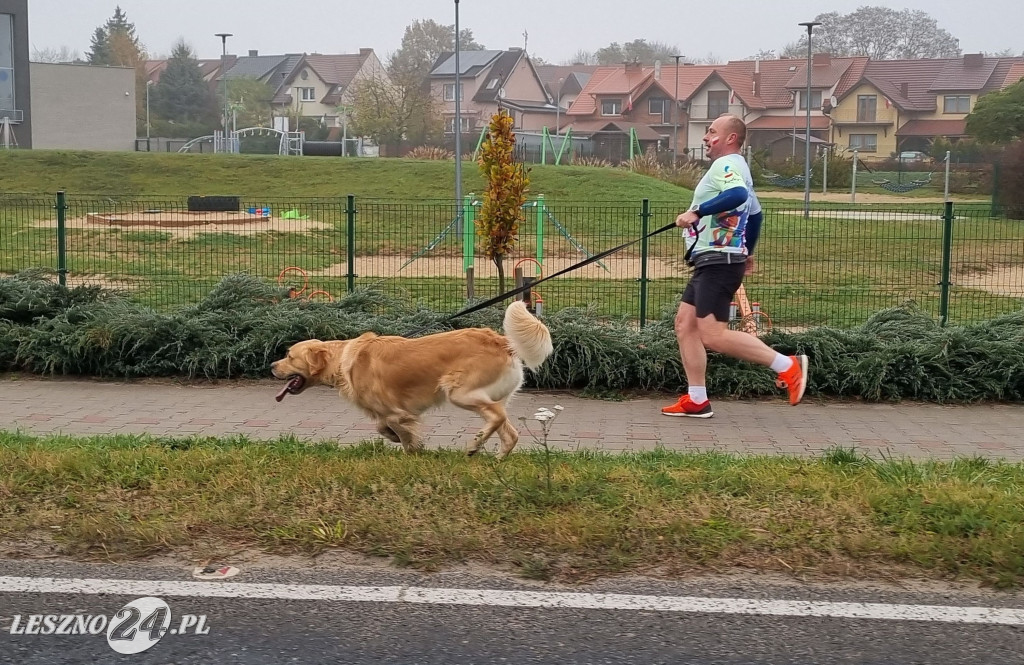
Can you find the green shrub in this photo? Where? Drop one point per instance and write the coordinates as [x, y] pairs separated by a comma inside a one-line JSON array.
[[244, 324]]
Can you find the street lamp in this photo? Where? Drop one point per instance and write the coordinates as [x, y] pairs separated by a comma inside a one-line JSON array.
[[807, 133], [148, 84], [675, 118], [223, 81], [458, 127]]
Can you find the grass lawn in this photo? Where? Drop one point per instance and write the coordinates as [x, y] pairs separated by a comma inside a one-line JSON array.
[[274, 177], [590, 515], [836, 268]]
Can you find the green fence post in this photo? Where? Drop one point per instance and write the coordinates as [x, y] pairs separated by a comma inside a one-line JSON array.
[[645, 223], [947, 256], [468, 232], [350, 213], [62, 239], [540, 229]]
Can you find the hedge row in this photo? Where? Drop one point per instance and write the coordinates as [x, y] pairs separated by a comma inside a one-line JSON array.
[[245, 324]]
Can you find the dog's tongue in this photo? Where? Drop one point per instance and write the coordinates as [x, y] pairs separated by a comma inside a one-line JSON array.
[[292, 384]]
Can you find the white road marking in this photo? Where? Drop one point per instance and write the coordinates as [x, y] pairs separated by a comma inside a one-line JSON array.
[[503, 598]]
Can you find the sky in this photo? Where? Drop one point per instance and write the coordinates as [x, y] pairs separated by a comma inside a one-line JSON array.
[[555, 29]]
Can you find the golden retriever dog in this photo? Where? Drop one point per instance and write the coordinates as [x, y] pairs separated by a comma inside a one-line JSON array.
[[396, 379]]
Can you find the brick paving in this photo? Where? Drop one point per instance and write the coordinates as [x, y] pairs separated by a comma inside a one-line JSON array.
[[912, 430]]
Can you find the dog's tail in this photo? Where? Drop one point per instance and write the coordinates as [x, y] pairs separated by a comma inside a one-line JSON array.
[[529, 338]]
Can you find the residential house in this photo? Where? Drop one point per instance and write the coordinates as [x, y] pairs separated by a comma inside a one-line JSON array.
[[324, 86], [564, 83], [904, 105], [489, 80], [633, 103], [306, 85], [15, 97]]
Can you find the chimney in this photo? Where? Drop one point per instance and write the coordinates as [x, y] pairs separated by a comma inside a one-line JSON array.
[[365, 51], [905, 89], [253, 53], [757, 83], [657, 70], [821, 59], [974, 59]]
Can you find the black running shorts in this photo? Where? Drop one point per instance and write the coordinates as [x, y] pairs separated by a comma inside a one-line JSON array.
[[712, 287]]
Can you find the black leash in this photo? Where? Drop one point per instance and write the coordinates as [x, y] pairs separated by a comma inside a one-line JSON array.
[[526, 287]]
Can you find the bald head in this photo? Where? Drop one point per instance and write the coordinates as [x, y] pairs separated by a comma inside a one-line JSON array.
[[733, 125]]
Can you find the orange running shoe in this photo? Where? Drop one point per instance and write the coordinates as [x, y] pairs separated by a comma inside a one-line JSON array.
[[687, 408], [794, 379]]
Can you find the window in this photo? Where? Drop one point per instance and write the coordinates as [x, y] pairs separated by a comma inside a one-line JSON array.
[[449, 92], [864, 142], [307, 94], [718, 103], [465, 123], [6, 62], [661, 107], [866, 107], [956, 104], [611, 107], [492, 84], [815, 100]]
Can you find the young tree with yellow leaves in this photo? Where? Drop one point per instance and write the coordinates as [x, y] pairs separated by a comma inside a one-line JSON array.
[[505, 193]]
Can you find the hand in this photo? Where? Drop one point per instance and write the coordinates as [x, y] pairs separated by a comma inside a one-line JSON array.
[[687, 219]]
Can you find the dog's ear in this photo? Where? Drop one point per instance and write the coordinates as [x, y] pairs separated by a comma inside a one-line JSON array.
[[317, 358]]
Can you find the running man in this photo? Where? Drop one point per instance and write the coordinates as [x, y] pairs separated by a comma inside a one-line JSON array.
[[723, 205]]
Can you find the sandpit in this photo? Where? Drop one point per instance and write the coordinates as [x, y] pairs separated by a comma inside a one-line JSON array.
[[427, 266], [184, 224], [1004, 281]]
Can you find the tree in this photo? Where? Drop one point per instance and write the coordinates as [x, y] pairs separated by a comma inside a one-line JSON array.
[[880, 33], [250, 99], [504, 195], [998, 117], [637, 50], [182, 96], [99, 50], [764, 54], [581, 57], [392, 110], [422, 44], [115, 44], [61, 55]]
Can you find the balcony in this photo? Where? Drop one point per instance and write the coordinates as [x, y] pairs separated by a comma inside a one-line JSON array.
[[16, 116]]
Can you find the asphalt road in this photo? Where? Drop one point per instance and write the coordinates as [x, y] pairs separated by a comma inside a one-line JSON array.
[[286, 630]]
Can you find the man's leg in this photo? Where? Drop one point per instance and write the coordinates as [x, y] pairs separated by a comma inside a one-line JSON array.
[[792, 370], [694, 404], [691, 349]]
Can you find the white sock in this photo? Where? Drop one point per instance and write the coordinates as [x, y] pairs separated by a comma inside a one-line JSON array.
[[698, 394], [781, 363]]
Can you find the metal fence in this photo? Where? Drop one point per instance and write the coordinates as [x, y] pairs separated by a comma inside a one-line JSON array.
[[835, 267]]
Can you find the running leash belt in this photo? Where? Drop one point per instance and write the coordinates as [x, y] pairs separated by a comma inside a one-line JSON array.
[[526, 287]]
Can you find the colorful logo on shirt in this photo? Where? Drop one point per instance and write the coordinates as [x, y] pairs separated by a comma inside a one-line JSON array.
[[728, 173]]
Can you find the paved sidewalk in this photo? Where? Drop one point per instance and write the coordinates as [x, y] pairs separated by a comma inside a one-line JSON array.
[[759, 427]]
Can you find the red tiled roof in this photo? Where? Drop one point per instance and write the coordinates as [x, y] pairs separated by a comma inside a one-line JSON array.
[[337, 69], [960, 75], [610, 81], [1015, 73], [777, 122], [822, 75], [933, 128], [849, 80]]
